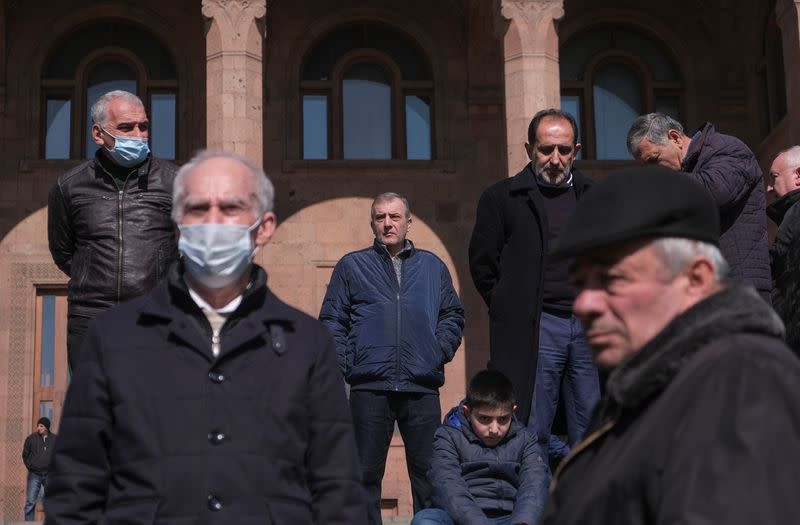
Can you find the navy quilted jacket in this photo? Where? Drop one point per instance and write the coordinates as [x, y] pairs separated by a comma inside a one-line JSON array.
[[471, 480], [730, 171], [389, 336]]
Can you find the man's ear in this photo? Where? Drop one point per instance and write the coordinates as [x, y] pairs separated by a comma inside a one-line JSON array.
[[465, 408], [675, 136], [97, 135], [514, 408], [265, 231], [577, 148], [701, 276], [529, 150]]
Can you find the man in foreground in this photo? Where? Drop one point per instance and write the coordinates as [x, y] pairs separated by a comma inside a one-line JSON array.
[[784, 184], [729, 170], [396, 320], [700, 420], [208, 400]]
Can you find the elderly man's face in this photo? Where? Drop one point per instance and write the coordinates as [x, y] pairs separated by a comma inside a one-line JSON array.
[[783, 176], [123, 118], [221, 190], [553, 150], [669, 155], [626, 296]]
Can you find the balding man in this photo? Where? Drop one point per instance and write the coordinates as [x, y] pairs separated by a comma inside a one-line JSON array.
[[208, 400], [700, 421], [784, 185]]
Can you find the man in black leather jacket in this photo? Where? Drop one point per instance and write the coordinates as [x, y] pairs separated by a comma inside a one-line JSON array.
[[109, 225]]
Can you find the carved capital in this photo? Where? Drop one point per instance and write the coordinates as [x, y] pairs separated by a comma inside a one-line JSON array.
[[530, 12], [233, 13]]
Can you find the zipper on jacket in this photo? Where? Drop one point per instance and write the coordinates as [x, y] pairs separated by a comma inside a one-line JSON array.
[[121, 247], [580, 447], [397, 347]]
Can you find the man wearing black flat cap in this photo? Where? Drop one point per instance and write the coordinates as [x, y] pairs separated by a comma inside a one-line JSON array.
[[699, 422]]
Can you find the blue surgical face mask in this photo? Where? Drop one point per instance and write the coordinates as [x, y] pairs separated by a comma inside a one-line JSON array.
[[215, 255], [128, 151]]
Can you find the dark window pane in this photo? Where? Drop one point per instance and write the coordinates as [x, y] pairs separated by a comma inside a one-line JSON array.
[[572, 105], [103, 78], [48, 340], [163, 107], [75, 47], [56, 142], [366, 108], [576, 53], [617, 101], [315, 127], [418, 128], [669, 106], [651, 53]]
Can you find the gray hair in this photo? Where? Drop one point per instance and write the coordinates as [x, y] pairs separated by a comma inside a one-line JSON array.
[[389, 196], [264, 190], [676, 252], [792, 155], [653, 127], [100, 107]]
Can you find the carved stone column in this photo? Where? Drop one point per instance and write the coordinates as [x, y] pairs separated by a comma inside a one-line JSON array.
[[787, 13], [530, 52], [234, 76]]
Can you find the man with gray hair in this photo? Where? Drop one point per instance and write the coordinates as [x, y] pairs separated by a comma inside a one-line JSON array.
[[108, 219], [208, 400], [699, 419], [730, 172], [784, 185], [396, 320]]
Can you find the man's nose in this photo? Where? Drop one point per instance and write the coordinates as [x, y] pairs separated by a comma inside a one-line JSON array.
[[587, 302]]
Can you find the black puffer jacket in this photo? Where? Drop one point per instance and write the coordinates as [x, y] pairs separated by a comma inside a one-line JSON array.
[[785, 260], [110, 230]]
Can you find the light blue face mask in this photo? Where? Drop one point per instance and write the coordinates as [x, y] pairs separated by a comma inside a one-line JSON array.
[[128, 151], [215, 255]]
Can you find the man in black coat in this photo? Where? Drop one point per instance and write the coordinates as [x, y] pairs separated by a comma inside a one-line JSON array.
[[534, 338], [208, 400], [784, 184], [729, 170], [699, 422]]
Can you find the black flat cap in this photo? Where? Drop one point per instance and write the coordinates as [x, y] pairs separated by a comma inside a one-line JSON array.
[[647, 201]]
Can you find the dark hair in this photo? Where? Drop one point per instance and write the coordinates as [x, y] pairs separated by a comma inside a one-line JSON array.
[[555, 113], [490, 388]]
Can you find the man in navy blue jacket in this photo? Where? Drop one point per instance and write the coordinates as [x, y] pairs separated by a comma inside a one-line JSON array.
[[396, 321]]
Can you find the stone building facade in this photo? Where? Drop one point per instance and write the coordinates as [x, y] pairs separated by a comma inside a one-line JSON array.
[[340, 101]]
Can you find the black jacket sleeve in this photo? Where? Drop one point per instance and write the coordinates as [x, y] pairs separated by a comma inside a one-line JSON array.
[[486, 245], [60, 234]]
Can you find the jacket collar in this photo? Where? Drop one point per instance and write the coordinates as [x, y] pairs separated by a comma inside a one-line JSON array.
[[171, 304], [105, 165], [777, 210], [407, 251], [735, 309], [696, 146]]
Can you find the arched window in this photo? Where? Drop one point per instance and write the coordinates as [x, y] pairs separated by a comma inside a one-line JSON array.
[[102, 57], [771, 75], [609, 76], [366, 93]]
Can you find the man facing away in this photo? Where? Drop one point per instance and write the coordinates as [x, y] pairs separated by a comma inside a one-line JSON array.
[[396, 320], [487, 468], [208, 400], [36, 454], [535, 339], [730, 172], [108, 219], [699, 422], [784, 184]]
